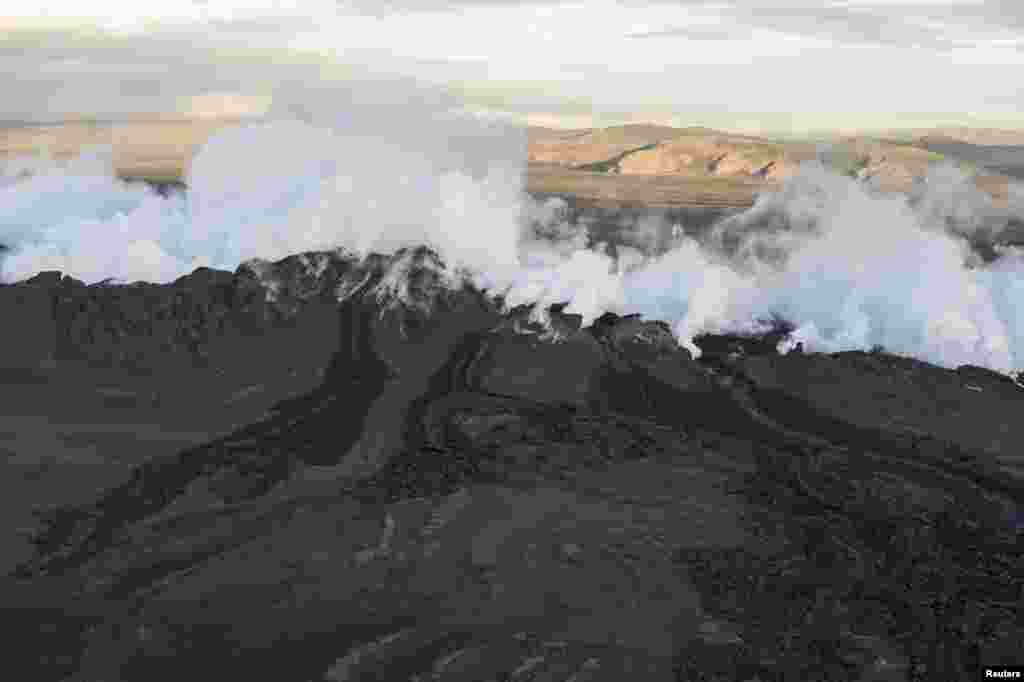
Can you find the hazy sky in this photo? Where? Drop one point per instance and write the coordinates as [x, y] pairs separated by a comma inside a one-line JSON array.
[[834, 62]]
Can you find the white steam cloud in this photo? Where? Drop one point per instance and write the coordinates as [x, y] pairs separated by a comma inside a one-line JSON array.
[[848, 267]]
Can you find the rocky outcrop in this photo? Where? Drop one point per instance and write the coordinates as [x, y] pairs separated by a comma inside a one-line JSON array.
[[468, 494]]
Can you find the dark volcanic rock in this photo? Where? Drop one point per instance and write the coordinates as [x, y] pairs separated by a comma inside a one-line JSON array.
[[457, 493]]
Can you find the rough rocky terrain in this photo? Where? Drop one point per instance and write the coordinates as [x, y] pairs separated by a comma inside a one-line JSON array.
[[443, 490]]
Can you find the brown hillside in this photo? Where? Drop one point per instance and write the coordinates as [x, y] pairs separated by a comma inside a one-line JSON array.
[[573, 153], [700, 156], [157, 150]]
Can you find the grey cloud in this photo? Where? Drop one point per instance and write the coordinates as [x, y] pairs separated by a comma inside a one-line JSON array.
[[261, 25], [866, 18], [387, 7], [994, 14], [845, 25], [865, 24], [868, 23], [111, 77], [693, 33], [808, 18]]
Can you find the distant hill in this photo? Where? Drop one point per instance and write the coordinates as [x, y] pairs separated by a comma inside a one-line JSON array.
[[635, 134], [152, 149], [670, 165], [545, 134], [978, 136], [729, 169]]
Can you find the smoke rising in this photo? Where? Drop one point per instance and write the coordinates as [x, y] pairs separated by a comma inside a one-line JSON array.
[[850, 268]]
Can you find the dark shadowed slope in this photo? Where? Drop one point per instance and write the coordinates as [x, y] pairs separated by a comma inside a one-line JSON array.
[[465, 495]]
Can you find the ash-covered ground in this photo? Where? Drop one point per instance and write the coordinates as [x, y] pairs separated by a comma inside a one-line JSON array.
[[337, 468], [370, 412]]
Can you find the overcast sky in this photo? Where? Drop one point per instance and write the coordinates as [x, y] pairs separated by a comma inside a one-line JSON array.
[[840, 61]]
